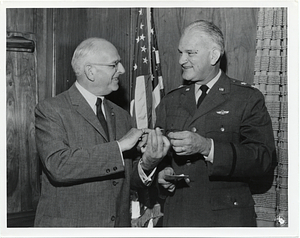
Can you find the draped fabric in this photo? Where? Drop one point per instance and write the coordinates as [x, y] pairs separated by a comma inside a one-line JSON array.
[[147, 82], [270, 77], [146, 92]]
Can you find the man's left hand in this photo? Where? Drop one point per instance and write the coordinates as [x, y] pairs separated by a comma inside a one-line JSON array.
[[155, 150], [188, 143]]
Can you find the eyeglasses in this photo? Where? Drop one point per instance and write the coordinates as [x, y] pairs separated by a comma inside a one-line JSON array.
[[113, 65]]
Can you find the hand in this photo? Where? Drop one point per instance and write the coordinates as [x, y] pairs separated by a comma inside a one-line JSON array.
[[156, 149], [188, 143], [132, 137], [141, 146], [168, 185]]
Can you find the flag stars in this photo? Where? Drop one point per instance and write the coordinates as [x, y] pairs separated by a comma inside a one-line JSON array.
[[145, 60], [153, 49], [135, 67], [137, 39], [142, 37], [141, 11], [141, 26], [152, 31], [143, 49]]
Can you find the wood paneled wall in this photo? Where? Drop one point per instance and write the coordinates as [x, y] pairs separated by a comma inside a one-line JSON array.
[[29, 77], [22, 160], [22, 91]]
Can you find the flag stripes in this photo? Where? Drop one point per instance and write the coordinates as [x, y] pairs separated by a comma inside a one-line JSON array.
[[146, 82]]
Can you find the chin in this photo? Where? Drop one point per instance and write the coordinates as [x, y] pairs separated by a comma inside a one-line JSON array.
[[187, 77], [115, 88]]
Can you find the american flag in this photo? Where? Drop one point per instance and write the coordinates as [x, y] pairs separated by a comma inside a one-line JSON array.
[[146, 93], [147, 83]]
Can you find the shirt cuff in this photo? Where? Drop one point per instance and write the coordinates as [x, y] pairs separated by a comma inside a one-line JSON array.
[[121, 153], [210, 157], [147, 180]]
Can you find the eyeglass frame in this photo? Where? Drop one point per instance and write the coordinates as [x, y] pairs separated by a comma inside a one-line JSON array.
[[115, 65]]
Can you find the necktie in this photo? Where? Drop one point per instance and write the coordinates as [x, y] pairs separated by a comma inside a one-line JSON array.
[[101, 116], [204, 89]]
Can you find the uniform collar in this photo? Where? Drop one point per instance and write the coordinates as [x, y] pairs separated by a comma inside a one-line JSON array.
[[211, 83]]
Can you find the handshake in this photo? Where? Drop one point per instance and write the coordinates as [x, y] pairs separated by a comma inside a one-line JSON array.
[[153, 144]]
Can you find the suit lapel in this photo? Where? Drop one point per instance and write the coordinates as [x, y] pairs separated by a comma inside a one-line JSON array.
[[216, 96], [84, 109], [111, 119]]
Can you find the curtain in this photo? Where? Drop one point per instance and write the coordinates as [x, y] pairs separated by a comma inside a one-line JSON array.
[[270, 77]]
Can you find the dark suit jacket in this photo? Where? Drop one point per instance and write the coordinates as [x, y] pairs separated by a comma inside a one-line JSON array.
[[84, 182], [234, 115]]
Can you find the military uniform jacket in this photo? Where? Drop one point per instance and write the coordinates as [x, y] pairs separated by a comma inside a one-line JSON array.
[[84, 182], [234, 115]]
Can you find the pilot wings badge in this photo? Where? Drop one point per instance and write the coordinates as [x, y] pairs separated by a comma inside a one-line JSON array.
[[222, 112]]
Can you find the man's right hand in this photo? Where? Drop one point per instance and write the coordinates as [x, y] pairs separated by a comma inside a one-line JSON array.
[[132, 137], [168, 185], [156, 149]]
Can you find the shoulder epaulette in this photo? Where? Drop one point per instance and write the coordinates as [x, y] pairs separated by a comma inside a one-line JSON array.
[[241, 83], [175, 89]]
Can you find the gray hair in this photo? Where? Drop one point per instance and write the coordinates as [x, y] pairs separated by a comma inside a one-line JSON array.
[[210, 30], [84, 50]]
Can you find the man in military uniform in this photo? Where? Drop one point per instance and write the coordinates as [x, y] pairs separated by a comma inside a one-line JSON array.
[[221, 136]]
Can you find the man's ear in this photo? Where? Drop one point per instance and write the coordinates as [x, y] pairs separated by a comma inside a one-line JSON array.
[[88, 71], [215, 56]]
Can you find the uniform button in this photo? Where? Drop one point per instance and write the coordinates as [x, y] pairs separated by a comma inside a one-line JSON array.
[[188, 162], [194, 129], [115, 183], [222, 129], [113, 218], [235, 203], [115, 168], [108, 170]]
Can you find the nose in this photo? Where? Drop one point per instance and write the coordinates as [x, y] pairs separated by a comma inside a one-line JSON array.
[[121, 69], [182, 58]]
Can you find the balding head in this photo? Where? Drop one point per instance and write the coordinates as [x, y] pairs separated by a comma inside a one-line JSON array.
[[89, 51]]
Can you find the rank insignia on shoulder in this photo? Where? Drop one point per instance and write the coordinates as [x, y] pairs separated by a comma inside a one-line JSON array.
[[222, 112], [187, 89]]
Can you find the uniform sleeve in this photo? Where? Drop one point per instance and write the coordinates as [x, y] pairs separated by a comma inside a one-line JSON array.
[[66, 164], [255, 151]]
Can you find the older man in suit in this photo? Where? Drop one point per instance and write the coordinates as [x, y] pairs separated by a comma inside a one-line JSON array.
[[221, 136], [87, 146]]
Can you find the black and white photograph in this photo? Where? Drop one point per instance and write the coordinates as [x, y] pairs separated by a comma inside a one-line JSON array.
[[150, 119]]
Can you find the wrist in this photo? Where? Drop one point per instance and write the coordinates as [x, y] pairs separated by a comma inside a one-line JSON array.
[[121, 146], [145, 168], [207, 147]]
